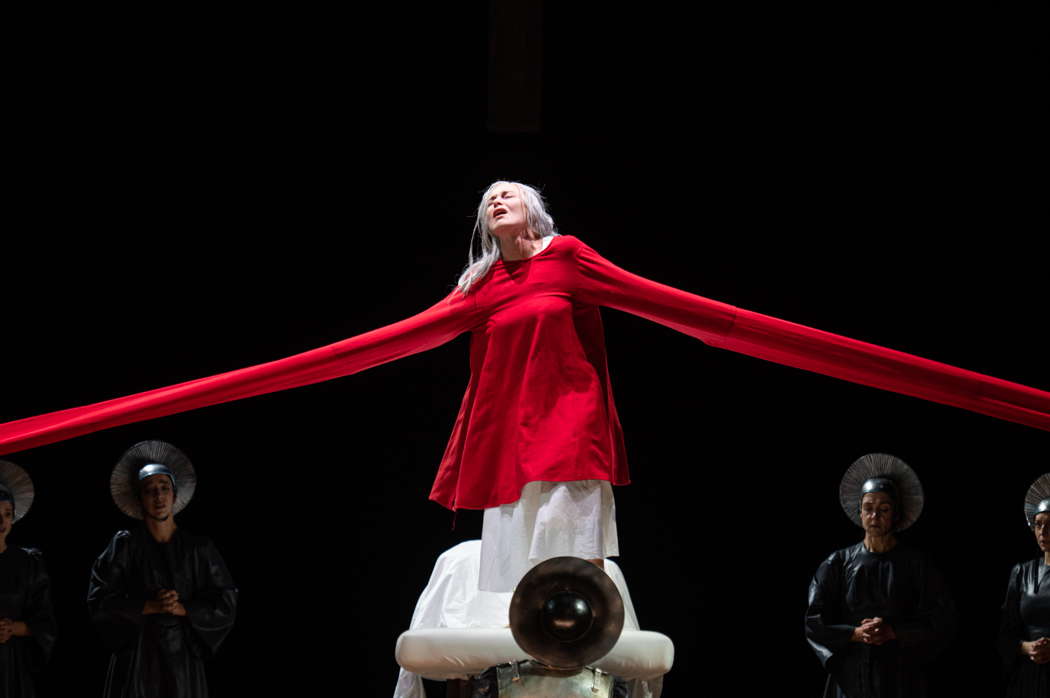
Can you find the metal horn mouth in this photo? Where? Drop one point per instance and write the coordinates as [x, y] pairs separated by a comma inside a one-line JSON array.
[[566, 613]]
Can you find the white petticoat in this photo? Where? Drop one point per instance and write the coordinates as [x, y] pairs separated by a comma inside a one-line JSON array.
[[549, 520]]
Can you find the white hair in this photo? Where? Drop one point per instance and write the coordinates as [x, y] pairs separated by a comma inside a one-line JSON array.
[[536, 219]]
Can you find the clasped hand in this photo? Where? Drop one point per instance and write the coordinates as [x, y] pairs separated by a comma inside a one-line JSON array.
[[873, 631], [12, 628], [1037, 650], [167, 601]]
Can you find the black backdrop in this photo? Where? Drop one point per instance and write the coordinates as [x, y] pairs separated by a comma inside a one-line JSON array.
[[198, 194]]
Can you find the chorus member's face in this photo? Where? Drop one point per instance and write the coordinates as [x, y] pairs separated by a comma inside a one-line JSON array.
[[158, 497], [7, 518], [505, 211], [1042, 531], [876, 513]]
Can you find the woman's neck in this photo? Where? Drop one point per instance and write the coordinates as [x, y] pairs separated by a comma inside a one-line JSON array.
[[162, 531], [880, 544], [521, 247]]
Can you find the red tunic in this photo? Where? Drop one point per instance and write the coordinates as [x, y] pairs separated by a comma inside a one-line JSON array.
[[538, 405]]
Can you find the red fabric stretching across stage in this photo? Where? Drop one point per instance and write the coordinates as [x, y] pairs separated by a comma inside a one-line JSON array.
[[539, 405]]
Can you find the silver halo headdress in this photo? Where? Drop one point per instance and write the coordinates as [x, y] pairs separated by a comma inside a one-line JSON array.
[[16, 486], [887, 472], [1038, 499], [151, 458]]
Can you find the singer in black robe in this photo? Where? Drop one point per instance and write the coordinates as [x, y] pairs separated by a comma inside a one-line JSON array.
[[24, 596], [900, 586], [160, 655], [1026, 617]]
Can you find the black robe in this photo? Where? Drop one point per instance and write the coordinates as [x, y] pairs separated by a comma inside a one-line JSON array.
[[1026, 617], [160, 655], [25, 595], [901, 587]]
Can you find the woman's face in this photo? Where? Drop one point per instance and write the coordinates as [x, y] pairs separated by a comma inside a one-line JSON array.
[[876, 513], [7, 519], [158, 497], [1042, 531], [505, 211]]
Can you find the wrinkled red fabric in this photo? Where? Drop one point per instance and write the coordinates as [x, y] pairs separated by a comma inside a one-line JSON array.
[[539, 404]]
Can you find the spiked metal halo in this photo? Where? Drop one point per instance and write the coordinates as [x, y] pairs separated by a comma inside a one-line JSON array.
[[15, 483], [124, 482], [1038, 498], [882, 465]]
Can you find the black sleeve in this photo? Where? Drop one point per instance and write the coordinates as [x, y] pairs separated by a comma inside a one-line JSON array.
[[38, 613], [116, 616], [825, 631], [1011, 628], [213, 607]]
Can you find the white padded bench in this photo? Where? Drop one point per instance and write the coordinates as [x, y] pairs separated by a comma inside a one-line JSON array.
[[450, 653], [458, 631]]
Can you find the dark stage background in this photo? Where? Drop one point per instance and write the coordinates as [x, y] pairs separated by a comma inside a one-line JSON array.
[[194, 195]]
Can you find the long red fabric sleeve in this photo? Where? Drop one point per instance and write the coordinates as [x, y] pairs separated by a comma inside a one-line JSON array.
[[783, 342], [598, 282], [426, 330]]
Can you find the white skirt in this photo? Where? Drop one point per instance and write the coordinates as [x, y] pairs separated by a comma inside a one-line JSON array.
[[549, 520]]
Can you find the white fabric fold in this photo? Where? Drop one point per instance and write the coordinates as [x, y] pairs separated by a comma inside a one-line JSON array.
[[550, 519]]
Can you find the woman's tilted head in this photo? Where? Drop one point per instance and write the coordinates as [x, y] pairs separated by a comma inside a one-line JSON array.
[[507, 209], [521, 205]]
